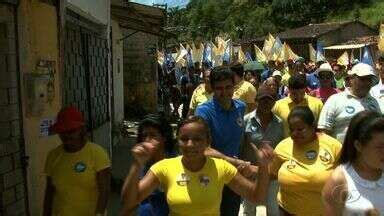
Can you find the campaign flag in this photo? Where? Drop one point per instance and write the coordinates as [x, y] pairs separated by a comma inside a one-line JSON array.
[[367, 58]]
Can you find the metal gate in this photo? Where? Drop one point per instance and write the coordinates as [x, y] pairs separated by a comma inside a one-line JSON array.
[[13, 199], [86, 72]]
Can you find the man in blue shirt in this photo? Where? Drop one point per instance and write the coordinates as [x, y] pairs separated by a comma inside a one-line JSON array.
[[224, 116]]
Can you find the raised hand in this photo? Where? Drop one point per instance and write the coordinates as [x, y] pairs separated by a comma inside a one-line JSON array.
[[265, 154], [142, 152]]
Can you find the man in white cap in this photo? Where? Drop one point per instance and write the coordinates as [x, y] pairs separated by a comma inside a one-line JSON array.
[[282, 90], [326, 76], [377, 91], [341, 107]]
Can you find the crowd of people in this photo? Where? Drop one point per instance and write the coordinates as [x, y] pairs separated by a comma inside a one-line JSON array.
[[284, 138]]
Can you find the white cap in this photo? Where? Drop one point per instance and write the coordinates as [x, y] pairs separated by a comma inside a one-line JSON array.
[[362, 69], [325, 67], [276, 73]]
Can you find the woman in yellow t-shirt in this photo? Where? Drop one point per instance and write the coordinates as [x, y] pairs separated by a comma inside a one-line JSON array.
[[302, 165], [192, 182]]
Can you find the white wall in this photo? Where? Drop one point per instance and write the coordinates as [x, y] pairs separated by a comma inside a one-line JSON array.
[[118, 72], [97, 11]]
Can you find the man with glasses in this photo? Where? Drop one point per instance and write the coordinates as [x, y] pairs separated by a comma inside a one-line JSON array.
[[326, 77], [341, 107]]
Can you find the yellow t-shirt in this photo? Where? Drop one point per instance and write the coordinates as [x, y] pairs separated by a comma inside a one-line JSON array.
[[284, 106], [285, 78], [199, 96], [246, 92], [74, 178], [193, 193], [302, 172]]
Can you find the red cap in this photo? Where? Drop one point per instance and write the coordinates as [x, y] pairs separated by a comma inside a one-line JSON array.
[[68, 119]]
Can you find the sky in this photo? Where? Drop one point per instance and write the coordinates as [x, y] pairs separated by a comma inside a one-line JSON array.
[[171, 3]]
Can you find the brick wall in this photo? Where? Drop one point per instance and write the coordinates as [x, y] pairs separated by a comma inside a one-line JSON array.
[[140, 73], [12, 183]]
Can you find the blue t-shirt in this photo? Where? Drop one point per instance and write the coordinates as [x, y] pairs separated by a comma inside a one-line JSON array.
[[227, 126]]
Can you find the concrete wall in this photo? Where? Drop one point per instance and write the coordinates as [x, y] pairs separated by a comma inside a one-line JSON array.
[[38, 39], [97, 11]]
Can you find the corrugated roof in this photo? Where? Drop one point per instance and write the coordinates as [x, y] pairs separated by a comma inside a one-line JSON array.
[[305, 32], [311, 30]]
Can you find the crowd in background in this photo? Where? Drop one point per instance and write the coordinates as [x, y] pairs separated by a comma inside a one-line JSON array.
[[282, 138]]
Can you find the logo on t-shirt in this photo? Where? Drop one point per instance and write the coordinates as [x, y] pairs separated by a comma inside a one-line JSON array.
[[80, 167], [311, 154], [204, 180], [349, 109], [183, 179], [325, 156], [291, 164]]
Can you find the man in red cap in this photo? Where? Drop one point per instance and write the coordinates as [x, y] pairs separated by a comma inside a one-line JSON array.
[[78, 171]]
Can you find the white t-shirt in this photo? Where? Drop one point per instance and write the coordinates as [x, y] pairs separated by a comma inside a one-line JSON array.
[[363, 195], [377, 91], [339, 109]]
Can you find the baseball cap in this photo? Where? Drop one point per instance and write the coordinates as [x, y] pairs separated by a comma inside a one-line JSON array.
[[325, 67], [362, 69], [276, 73], [68, 119], [264, 92]]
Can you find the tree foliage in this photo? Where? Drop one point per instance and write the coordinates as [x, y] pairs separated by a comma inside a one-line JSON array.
[[241, 19]]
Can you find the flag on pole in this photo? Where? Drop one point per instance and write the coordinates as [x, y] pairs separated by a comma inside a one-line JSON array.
[[227, 51], [260, 56], [367, 58], [182, 52], [343, 59], [352, 58], [320, 53], [221, 45], [217, 59], [160, 57], [207, 54], [291, 54], [268, 43], [189, 56], [381, 38], [284, 54], [312, 53], [241, 56], [248, 57], [276, 49], [197, 53]]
